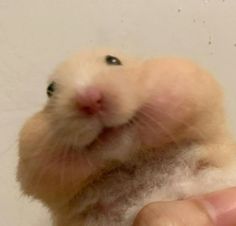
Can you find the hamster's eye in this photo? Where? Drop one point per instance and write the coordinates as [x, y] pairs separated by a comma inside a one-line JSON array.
[[111, 60], [51, 89]]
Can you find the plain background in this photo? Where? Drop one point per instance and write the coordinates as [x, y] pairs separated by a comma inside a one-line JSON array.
[[36, 35]]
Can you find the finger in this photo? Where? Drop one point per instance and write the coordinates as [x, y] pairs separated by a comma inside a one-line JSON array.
[[215, 209]]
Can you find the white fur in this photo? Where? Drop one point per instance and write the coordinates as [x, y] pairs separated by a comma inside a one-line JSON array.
[[124, 195]]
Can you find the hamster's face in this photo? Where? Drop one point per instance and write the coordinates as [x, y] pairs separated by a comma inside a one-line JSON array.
[[104, 106], [93, 99]]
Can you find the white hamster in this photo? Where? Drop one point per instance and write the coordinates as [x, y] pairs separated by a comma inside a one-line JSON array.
[[118, 133]]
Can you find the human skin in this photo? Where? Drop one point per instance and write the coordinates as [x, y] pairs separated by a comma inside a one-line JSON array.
[[214, 209]]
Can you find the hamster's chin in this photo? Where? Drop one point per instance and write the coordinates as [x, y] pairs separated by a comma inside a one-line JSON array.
[[115, 143], [92, 137]]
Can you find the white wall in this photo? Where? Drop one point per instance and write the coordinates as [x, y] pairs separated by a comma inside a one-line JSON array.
[[36, 35]]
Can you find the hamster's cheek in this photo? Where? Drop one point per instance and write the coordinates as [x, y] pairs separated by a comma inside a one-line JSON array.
[[45, 168], [54, 181], [66, 168], [32, 135], [76, 133], [163, 119]]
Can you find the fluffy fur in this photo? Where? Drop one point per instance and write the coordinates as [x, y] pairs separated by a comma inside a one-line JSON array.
[[162, 135]]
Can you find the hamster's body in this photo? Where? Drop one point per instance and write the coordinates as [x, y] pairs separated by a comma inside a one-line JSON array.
[[118, 133]]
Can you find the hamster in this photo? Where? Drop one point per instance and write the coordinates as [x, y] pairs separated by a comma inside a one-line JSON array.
[[118, 132]]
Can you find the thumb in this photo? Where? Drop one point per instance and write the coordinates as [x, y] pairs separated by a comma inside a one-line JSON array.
[[215, 209]]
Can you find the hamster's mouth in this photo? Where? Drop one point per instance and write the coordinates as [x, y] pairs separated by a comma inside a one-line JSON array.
[[107, 134]]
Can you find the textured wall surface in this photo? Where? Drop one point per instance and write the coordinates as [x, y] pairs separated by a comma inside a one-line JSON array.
[[36, 35]]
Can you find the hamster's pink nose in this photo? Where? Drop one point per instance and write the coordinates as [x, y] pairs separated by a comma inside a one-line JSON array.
[[90, 101]]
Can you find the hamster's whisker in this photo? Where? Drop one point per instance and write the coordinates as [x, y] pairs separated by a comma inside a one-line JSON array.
[[62, 169], [43, 171], [200, 134], [159, 125]]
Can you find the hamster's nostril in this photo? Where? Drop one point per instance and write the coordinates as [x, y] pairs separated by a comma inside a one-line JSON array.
[[90, 101]]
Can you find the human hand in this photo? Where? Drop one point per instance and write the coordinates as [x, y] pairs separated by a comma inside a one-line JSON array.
[[214, 209]]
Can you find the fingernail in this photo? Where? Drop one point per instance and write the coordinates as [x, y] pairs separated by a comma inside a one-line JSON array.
[[221, 207]]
